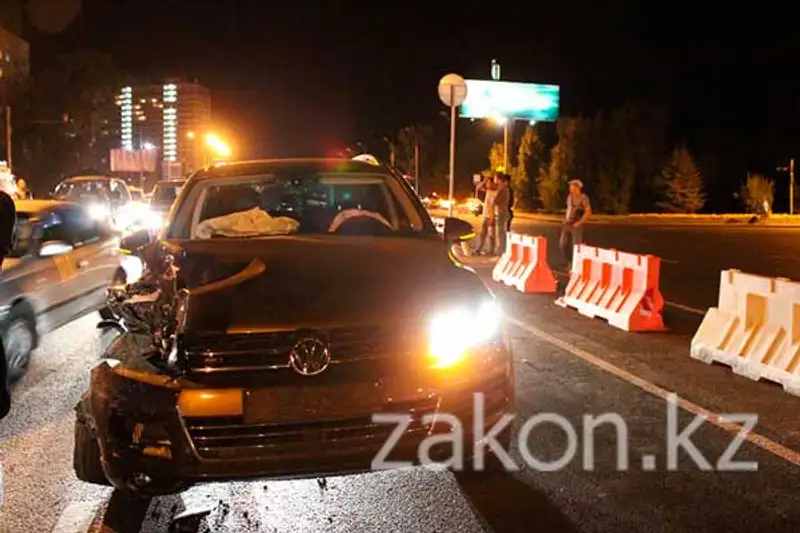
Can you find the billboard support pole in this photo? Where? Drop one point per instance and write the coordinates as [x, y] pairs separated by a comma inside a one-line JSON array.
[[452, 148], [506, 147]]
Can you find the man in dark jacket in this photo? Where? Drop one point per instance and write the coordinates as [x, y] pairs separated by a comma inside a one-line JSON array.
[[8, 219]]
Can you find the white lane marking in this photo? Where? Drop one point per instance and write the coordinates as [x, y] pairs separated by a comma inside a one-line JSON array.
[[676, 305], [686, 308], [766, 444], [78, 517]]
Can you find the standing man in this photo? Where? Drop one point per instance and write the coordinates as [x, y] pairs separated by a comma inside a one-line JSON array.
[[488, 225], [503, 207], [578, 211], [8, 219]]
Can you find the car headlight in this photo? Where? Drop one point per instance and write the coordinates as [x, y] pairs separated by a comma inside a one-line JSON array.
[[453, 333], [98, 211], [154, 220]]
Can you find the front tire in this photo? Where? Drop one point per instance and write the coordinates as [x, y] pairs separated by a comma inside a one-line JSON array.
[[86, 458], [19, 340]]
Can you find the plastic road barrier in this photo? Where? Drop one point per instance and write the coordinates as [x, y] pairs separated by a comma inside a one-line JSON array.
[[755, 329], [621, 288], [524, 265]]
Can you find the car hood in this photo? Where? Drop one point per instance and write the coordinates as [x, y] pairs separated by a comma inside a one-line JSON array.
[[278, 283]]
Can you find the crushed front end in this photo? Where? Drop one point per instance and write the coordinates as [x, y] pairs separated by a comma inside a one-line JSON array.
[[196, 406]]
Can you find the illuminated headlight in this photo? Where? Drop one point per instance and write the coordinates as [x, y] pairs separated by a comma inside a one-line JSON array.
[[453, 333], [133, 267], [98, 211], [153, 220]]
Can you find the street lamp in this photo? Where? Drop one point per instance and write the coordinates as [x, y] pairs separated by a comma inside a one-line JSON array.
[[218, 145]]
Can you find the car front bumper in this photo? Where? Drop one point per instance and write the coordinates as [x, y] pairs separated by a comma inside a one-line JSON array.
[[149, 445]]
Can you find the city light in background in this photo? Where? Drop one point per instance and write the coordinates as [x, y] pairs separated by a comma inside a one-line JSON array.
[[126, 113], [217, 145], [170, 123]]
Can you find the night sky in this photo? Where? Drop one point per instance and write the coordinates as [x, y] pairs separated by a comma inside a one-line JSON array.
[[306, 76]]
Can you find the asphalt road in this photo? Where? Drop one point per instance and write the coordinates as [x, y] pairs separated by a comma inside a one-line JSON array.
[[567, 365]]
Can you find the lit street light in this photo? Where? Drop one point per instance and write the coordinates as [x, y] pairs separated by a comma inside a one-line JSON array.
[[218, 145]]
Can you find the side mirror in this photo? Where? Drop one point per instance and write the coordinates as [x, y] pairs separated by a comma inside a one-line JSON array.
[[135, 240], [457, 230], [53, 248]]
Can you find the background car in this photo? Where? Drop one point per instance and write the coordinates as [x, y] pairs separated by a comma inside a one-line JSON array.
[[59, 269], [163, 196], [105, 199]]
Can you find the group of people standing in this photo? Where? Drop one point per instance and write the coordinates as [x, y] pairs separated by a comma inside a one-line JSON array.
[[498, 211]]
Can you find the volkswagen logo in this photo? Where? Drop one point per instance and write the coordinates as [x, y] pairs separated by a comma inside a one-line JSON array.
[[310, 356]]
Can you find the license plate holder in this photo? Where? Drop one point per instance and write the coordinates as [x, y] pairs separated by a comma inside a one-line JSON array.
[[311, 403]]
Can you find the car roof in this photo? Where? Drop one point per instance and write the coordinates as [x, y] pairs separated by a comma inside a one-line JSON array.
[[311, 165], [77, 179]]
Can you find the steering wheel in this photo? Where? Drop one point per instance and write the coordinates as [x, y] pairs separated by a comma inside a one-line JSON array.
[[349, 215]]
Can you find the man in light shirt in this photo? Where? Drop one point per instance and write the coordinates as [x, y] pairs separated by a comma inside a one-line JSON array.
[[578, 211], [488, 225]]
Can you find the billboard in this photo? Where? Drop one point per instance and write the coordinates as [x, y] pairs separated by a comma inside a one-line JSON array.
[[123, 160], [523, 101]]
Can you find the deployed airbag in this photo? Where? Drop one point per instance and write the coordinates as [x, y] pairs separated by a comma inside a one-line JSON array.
[[246, 223]]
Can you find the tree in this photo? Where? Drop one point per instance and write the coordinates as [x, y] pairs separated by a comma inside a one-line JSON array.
[[421, 135], [552, 179], [530, 160], [682, 184], [757, 190], [496, 158]]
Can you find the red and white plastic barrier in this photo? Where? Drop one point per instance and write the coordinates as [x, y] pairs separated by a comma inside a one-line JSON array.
[[524, 265], [620, 287]]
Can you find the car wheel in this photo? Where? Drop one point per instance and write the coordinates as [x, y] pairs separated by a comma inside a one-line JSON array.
[[86, 459], [105, 312], [19, 340]]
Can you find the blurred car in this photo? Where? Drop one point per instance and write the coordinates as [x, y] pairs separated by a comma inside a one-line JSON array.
[[287, 302], [59, 269], [105, 199], [472, 206], [162, 197]]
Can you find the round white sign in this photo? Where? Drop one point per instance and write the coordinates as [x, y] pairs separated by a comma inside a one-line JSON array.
[[452, 90]]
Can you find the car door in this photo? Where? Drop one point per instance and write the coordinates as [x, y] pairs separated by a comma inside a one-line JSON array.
[[95, 253], [53, 229]]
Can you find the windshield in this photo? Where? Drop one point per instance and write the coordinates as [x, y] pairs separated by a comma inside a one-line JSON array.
[[165, 193], [287, 203], [104, 191], [23, 236]]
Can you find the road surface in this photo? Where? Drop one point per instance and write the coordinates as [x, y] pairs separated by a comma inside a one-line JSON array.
[[568, 367]]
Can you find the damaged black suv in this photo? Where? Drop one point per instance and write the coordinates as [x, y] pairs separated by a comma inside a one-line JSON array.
[[284, 304]]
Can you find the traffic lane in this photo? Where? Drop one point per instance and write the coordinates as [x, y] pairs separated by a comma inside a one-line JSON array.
[[37, 436], [692, 256], [659, 357], [570, 499], [608, 498]]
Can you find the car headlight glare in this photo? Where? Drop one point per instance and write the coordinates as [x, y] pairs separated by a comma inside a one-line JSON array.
[[154, 220], [98, 211], [454, 332]]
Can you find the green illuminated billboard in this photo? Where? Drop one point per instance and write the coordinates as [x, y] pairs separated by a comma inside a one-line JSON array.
[[522, 101]]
